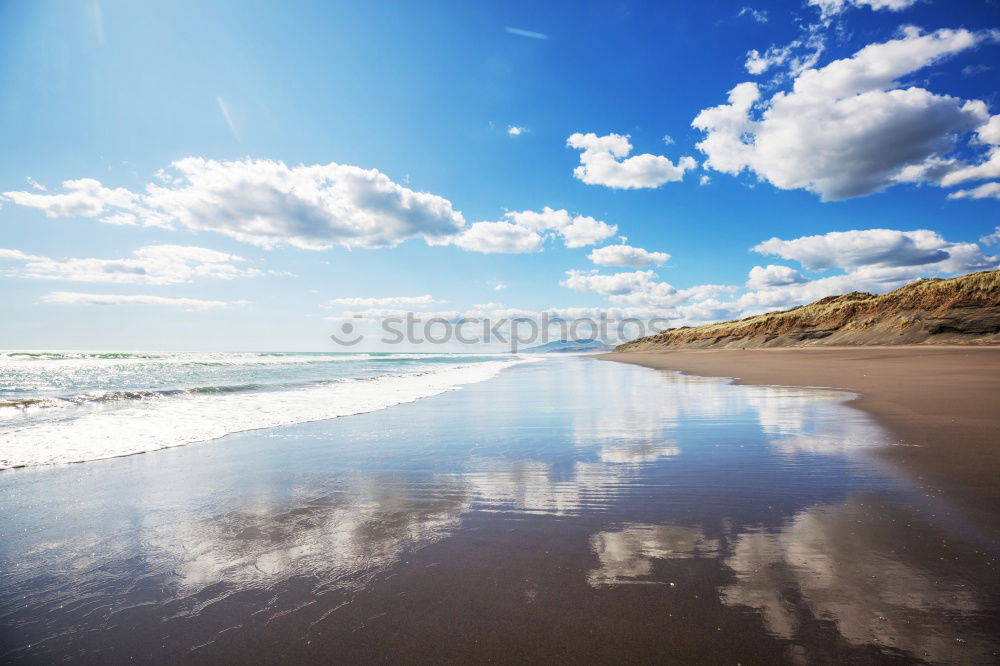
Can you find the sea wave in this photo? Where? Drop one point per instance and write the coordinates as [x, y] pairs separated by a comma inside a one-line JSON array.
[[44, 362], [118, 396], [137, 424], [63, 359]]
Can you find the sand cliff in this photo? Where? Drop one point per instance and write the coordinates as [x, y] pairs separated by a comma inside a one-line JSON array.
[[961, 310]]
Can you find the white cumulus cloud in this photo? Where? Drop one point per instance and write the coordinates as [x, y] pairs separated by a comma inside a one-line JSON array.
[[265, 203], [984, 191], [605, 161], [991, 239], [832, 7], [499, 237], [758, 63], [639, 288], [16, 255], [873, 247], [74, 298], [618, 284], [627, 256], [849, 128], [872, 260], [762, 277], [526, 230], [386, 302], [84, 197], [583, 231], [758, 15], [989, 168], [154, 264]]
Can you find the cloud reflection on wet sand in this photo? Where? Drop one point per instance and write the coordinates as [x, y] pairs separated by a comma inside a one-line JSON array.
[[870, 570], [626, 556], [862, 568], [645, 467]]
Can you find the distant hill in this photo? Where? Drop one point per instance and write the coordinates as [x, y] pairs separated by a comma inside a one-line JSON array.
[[961, 310], [568, 346]]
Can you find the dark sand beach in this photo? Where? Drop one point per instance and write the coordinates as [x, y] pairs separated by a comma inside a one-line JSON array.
[[941, 404], [569, 510]]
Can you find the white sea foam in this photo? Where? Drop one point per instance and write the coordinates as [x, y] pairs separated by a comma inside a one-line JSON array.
[[93, 432]]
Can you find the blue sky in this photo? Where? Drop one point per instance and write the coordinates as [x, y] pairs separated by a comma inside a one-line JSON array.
[[858, 151]]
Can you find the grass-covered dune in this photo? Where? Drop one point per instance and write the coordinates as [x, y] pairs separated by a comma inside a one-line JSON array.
[[959, 310]]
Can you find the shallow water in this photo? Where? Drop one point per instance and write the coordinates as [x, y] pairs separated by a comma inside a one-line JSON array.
[[82, 406], [570, 509]]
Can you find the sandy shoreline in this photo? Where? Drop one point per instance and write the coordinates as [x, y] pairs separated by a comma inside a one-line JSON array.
[[943, 403]]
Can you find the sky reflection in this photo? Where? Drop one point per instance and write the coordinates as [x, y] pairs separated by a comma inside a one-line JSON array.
[[651, 477]]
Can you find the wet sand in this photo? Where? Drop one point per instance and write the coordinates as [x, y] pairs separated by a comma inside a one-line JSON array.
[[568, 510], [942, 404]]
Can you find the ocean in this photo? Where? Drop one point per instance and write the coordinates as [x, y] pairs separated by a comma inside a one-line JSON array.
[[65, 407]]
